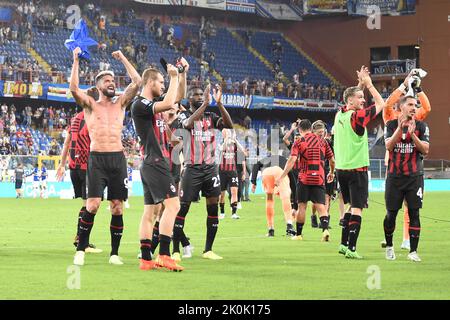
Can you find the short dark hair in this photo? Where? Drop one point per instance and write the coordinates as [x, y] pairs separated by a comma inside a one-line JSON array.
[[404, 99], [305, 125], [350, 92], [192, 89], [102, 74]]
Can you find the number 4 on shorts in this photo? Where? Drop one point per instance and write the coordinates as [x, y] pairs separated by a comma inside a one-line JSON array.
[[419, 193]]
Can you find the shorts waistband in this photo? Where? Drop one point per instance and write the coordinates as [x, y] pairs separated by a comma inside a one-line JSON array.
[[363, 169], [115, 153]]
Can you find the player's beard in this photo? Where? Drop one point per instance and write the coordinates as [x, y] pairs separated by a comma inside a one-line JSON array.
[[197, 104], [110, 93]]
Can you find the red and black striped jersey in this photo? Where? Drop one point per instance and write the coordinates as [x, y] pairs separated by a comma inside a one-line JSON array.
[[79, 143], [405, 159], [228, 156], [361, 118], [312, 151], [297, 162], [199, 145], [150, 128]]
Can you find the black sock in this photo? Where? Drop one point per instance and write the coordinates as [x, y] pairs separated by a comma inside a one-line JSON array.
[[164, 247], [184, 240], [324, 222], [155, 237], [389, 227], [116, 229], [222, 208], [212, 224], [414, 229], [299, 228], [234, 207], [86, 224], [414, 234], [345, 228], [80, 215], [178, 233], [289, 226], [388, 233], [146, 245], [354, 226]]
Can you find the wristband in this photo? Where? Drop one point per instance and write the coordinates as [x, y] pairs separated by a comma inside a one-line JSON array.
[[402, 87], [418, 89]]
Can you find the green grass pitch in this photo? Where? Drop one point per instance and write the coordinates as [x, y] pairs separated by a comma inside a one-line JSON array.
[[36, 251]]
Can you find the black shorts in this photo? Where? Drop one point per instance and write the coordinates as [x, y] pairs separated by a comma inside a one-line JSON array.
[[293, 178], [199, 177], [330, 187], [176, 173], [313, 193], [157, 182], [354, 187], [107, 169], [228, 179], [78, 177], [19, 184], [404, 188]]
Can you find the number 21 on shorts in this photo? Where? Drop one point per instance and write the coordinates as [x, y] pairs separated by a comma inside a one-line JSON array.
[[216, 180]]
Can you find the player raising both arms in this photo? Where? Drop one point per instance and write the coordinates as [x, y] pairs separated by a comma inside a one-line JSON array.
[[107, 166], [158, 183], [200, 171]]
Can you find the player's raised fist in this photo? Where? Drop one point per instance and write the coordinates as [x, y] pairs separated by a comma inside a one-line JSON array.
[[185, 64], [172, 70], [118, 55], [76, 53]]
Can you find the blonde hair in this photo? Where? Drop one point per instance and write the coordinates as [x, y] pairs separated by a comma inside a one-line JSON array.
[[350, 92], [149, 74]]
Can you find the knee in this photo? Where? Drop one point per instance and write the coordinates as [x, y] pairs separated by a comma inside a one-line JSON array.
[[184, 208], [116, 207], [391, 215], [212, 201], [92, 205]]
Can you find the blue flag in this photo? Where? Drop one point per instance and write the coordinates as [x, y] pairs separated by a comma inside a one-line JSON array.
[[80, 38]]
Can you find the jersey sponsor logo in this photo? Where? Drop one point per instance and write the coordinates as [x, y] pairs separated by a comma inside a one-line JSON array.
[[402, 147], [202, 135], [145, 101], [229, 155]]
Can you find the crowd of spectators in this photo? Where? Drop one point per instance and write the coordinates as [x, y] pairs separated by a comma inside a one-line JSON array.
[[28, 131], [34, 14]]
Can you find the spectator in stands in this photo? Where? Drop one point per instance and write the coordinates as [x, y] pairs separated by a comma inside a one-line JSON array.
[[280, 89], [244, 85]]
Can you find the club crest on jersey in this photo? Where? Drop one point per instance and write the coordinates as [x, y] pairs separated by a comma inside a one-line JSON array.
[[172, 188]]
